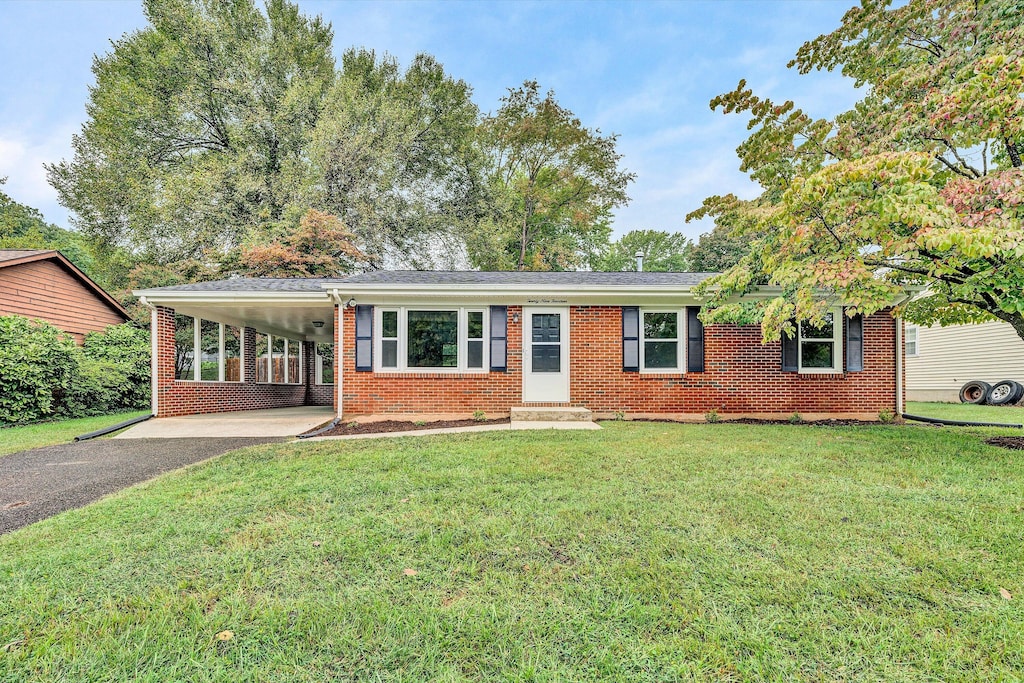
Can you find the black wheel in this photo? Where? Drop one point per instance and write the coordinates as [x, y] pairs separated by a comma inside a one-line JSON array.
[[1003, 393], [974, 392]]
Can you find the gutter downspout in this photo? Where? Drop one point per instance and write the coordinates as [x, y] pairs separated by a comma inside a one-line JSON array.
[[898, 321], [339, 363], [152, 355], [899, 366]]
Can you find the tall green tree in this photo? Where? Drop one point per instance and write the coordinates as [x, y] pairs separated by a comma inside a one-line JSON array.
[[919, 185], [553, 185], [393, 157], [662, 251], [23, 227], [718, 250], [197, 127]]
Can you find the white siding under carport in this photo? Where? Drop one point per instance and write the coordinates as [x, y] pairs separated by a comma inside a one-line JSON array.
[[948, 357]]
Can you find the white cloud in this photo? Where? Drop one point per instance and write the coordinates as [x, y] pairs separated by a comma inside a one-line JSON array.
[[22, 156]]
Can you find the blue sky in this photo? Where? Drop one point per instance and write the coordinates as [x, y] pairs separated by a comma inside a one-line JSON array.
[[643, 70]]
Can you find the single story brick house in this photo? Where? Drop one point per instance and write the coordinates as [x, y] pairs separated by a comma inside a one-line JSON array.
[[44, 285], [458, 342]]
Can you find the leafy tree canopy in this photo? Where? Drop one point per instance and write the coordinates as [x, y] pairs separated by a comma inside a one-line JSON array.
[[718, 250], [197, 127], [662, 252], [393, 157], [920, 184], [553, 186], [320, 247]]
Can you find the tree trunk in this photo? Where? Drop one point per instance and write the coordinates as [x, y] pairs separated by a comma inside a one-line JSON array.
[[1013, 152], [524, 234], [1016, 320]]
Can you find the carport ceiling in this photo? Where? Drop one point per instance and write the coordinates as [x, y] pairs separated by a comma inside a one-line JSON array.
[[281, 318]]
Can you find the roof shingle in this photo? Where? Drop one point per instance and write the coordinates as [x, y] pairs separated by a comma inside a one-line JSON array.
[[426, 278]]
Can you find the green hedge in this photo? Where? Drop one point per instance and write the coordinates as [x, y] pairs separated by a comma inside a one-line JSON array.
[[44, 375]]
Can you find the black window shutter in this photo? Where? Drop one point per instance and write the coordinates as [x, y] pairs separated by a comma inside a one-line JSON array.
[[499, 338], [790, 352], [631, 339], [855, 343], [364, 338], [694, 340]]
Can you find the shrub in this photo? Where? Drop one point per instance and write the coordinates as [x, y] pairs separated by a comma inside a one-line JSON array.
[[95, 389], [37, 362], [43, 374], [712, 416], [127, 349]]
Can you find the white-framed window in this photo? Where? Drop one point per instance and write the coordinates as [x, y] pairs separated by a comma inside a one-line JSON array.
[[278, 360], [820, 347], [324, 363], [910, 340], [431, 339], [206, 351], [661, 340]]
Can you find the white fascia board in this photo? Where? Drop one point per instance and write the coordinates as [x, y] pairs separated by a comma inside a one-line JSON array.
[[160, 297]]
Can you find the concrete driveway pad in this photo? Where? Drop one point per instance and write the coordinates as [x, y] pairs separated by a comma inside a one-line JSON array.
[[274, 422], [42, 482]]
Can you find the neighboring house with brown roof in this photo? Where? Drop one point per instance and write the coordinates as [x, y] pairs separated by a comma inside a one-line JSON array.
[[43, 284]]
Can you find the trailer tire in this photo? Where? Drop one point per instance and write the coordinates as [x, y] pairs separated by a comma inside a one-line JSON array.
[[1004, 393], [974, 392]]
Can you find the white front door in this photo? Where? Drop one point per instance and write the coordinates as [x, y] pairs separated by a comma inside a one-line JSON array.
[[545, 355]]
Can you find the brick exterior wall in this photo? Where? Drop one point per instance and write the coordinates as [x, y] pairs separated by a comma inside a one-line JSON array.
[[424, 392], [179, 397], [742, 377]]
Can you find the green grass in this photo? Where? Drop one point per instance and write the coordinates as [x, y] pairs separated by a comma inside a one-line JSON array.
[[644, 552], [14, 439], [967, 411]]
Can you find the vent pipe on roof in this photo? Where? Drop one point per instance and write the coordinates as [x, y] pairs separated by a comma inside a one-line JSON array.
[[639, 261]]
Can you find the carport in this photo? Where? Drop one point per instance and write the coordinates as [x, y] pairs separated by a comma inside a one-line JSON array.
[[243, 348]]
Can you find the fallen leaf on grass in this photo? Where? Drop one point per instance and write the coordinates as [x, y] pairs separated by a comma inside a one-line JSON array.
[[10, 647], [526, 567], [404, 500], [316, 544], [225, 635], [410, 572], [1006, 594]]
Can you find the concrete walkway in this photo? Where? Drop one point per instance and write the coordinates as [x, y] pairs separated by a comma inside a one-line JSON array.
[[273, 423], [42, 482]]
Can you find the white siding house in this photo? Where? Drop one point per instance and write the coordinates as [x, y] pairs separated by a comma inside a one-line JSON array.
[[940, 360]]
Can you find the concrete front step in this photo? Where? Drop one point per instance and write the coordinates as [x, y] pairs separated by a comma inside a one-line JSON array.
[[526, 414]]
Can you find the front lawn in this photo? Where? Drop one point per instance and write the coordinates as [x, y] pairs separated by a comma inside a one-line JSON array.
[[643, 552], [14, 439], [968, 411]]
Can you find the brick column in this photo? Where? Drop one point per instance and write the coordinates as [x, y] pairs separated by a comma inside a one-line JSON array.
[[249, 361], [163, 362], [308, 369]]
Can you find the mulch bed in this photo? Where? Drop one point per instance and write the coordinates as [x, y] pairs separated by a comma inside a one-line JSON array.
[[752, 421], [385, 426], [1015, 443]]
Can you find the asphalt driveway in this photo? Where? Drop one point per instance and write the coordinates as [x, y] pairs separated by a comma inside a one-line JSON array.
[[42, 482]]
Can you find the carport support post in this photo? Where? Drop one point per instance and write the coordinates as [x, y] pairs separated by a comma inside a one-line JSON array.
[[249, 375], [339, 365], [162, 331]]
